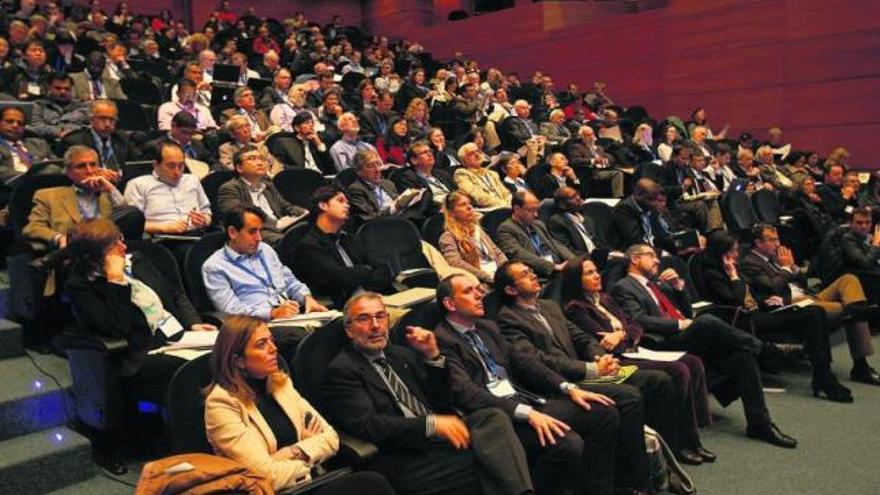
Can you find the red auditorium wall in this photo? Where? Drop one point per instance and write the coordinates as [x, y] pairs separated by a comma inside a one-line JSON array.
[[811, 66]]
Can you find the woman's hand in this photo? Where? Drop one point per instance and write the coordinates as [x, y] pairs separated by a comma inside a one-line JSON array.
[[313, 427]]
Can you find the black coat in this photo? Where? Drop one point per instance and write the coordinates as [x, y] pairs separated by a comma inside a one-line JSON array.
[[123, 149]]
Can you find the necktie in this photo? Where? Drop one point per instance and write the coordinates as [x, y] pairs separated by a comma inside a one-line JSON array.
[[496, 371], [106, 152], [97, 91], [22, 152], [666, 307], [400, 390], [189, 150], [346, 259], [540, 248]]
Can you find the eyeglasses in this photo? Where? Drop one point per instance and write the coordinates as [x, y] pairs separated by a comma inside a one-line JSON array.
[[366, 319]]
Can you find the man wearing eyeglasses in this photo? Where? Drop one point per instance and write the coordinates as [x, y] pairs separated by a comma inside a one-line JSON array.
[[371, 196], [659, 303], [399, 398]]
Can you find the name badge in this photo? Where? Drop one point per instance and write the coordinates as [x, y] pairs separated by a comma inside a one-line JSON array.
[[548, 257], [502, 388], [170, 326], [33, 89]]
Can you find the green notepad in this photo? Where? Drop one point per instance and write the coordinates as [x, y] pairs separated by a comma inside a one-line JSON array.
[[621, 376]]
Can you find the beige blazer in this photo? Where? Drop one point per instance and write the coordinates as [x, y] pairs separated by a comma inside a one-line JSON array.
[[55, 212], [484, 186], [238, 431]]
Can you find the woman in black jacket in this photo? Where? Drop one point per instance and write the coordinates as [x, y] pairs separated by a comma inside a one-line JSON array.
[[724, 286], [126, 297]]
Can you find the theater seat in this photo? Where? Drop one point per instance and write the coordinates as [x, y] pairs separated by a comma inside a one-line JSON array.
[[395, 244]]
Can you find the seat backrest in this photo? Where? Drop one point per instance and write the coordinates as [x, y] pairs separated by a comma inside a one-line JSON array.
[[346, 177], [143, 91], [600, 214], [200, 251], [132, 116], [493, 219], [278, 145], [546, 209], [287, 248], [161, 258], [534, 174], [432, 229], [767, 205], [312, 357], [185, 406], [211, 184], [425, 315], [736, 207], [394, 243], [695, 269], [298, 184]]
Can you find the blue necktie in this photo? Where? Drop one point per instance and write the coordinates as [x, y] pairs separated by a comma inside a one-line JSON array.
[[496, 370]]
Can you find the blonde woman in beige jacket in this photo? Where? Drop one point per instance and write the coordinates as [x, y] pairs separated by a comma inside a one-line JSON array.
[[254, 416]]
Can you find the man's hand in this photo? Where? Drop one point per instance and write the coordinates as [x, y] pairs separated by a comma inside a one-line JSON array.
[[114, 267], [730, 267], [671, 277], [610, 340], [111, 175], [423, 341], [203, 327], [607, 365], [847, 192], [547, 427], [62, 241], [174, 227], [784, 257], [286, 309], [312, 305], [774, 301], [685, 324], [198, 219], [875, 239], [583, 398], [558, 267], [97, 183], [453, 430]]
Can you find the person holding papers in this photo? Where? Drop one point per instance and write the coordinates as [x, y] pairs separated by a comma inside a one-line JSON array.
[[253, 187], [124, 296], [246, 277], [371, 196], [594, 312]]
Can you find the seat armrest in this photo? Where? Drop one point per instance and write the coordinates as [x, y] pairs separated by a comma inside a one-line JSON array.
[[417, 277], [215, 318], [109, 345], [355, 450]]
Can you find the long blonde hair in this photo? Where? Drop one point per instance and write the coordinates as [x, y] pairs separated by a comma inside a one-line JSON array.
[[462, 232]]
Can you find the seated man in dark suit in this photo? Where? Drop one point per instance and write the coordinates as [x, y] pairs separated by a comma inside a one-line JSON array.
[[306, 150], [666, 313], [114, 147], [57, 209], [538, 328], [374, 120], [770, 270], [592, 162], [576, 231], [861, 243], [277, 92], [371, 196], [572, 435], [253, 187], [331, 261], [524, 238], [246, 106], [96, 82], [18, 153], [639, 219], [421, 174], [559, 175], [693, 197], [839, 191], [400, 399]]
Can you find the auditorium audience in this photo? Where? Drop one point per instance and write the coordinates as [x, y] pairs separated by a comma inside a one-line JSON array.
[[523, 237], [480, 183], [114, 147], [186, 102], [17, 152], [350, 143], [464, 243], [56, 113]]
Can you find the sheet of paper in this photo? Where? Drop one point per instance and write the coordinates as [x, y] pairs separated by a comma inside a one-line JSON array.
[[649, 355]]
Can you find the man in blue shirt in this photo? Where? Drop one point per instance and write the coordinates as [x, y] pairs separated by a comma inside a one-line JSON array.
[[246, 277]]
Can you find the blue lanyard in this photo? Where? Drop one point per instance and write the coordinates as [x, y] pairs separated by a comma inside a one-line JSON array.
[[269, 284]]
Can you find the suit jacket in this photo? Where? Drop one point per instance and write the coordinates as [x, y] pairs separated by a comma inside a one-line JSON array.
[[262, 119], [516, 132], [547, 184], [55, 212], [82, 90], [123, 149], [627, 227], [491, 195], [235, 192], [858, 254], [294, 156], [765, 279], [37, 148], [106, 309], [408, 178], [237, 430], [564, 350], [357, 399], [371, 127], [834, 202], [269, 98], [563, 229], [582, 155], [514, 241], [586, 316], [469, 380], [319, 265], [639, 303], [555, 134], [363, 201]]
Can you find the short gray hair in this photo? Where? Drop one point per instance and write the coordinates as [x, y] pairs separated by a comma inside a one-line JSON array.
[[362, 157], [76, 150], [346, 310], [101, 101], [636, 250]]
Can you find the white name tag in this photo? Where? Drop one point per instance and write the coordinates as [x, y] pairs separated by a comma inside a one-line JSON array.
[[502, 388], [170, 326], [548, 257]]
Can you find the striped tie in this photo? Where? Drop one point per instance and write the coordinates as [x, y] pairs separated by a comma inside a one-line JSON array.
[[400, 389]]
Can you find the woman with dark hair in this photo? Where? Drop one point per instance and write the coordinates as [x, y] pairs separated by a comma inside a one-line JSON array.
[[724, 286], [392, 146], [595, 312], [444, 156], [126, 297], [669, 139], [254, 416], [464, 243]]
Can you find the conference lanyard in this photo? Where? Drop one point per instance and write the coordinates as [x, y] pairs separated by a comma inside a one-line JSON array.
[[268, 283]]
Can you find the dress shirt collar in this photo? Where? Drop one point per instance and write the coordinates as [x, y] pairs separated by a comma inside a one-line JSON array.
[[236, 256], [461, 329], [639, 278]]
